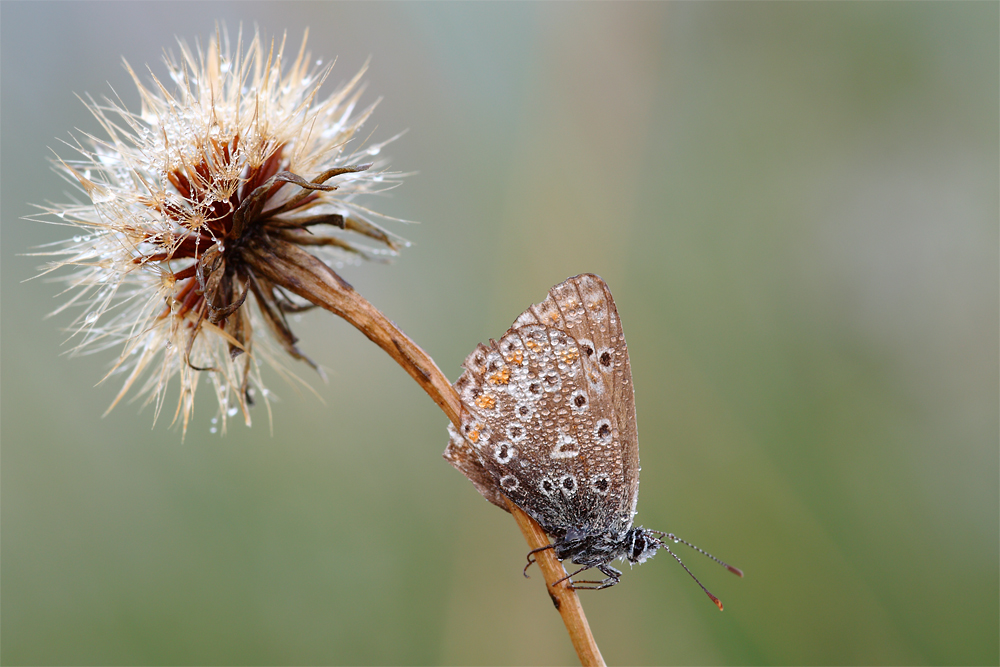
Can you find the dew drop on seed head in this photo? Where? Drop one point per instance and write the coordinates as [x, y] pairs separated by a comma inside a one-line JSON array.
[[232, 411], [374, 150], [102, 196]]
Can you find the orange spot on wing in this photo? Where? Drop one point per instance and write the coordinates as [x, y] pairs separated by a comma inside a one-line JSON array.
[[502, 376], [515, 357]]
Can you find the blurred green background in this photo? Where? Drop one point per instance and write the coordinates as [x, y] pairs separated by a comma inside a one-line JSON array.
[[796, 206]]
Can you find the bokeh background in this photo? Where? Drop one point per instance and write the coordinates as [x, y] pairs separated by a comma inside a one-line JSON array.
[[796, 206]]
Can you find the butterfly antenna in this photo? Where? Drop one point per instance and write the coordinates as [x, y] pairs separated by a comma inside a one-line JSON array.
[[670, 536], [734, 570], [717, 601]]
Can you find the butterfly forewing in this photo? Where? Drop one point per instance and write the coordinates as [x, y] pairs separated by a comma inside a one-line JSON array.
[[549, 413]]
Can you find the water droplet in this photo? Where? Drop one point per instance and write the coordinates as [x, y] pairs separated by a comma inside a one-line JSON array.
[[213, 430], [232, 412], [102, 196], [215, 420], [91, 317], [374, 150]]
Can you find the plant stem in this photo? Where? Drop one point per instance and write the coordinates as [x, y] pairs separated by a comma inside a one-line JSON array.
[[303, 274]]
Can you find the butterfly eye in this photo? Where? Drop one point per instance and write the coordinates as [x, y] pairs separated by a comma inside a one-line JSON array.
[[638, 546]]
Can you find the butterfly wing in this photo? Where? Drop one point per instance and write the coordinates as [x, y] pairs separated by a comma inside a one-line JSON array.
[[549, 413]]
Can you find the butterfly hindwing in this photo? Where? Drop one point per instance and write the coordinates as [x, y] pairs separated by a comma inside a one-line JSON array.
[[549, 413]]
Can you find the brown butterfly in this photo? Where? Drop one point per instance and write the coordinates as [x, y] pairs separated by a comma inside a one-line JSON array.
[[548, 420]]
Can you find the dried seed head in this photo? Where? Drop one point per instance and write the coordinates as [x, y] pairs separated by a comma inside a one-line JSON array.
[[238, 157]]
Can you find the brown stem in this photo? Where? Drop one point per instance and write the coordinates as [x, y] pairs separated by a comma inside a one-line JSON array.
[[299, 272]]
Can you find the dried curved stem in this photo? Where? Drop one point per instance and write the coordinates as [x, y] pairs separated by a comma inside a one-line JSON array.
[[303, 274]]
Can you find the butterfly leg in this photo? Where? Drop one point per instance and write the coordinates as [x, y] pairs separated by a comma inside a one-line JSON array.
[[532, 560], [613, 576]]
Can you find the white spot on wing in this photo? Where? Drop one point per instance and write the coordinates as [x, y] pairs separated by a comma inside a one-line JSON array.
[[565, 447]]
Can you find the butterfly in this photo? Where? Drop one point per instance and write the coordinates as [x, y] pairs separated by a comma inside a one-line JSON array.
[[548, 420]]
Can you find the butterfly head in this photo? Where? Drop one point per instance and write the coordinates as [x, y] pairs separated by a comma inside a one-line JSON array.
[[643, 544]]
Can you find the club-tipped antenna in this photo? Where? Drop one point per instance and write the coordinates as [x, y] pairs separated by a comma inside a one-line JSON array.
[[671, 536]]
